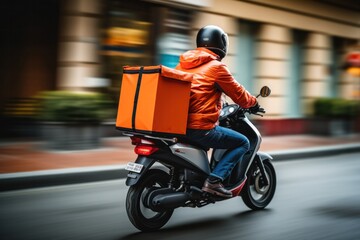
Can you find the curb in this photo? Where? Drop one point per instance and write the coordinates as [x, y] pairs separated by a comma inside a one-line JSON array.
[[315, 152], [47, 178]]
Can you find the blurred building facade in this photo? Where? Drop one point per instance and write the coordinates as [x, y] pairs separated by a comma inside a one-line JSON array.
[[296, 48]]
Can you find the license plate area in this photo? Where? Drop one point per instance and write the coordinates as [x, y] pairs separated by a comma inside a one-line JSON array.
[[134, 167]]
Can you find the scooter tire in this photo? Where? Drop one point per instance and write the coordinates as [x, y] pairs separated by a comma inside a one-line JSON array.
[[252, 194], [137, 212]]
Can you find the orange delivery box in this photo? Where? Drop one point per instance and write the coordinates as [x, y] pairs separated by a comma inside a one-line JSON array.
[[154, 100]]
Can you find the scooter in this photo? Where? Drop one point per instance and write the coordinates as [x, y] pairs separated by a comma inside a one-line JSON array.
[[169, 172]]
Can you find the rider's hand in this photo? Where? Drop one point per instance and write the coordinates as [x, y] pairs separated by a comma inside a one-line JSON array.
[[256, 108]]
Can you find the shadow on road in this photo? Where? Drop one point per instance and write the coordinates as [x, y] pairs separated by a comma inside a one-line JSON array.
[[348, 208], [215, 224]]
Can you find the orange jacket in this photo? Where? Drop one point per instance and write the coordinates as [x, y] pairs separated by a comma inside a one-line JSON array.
[[211, 78]]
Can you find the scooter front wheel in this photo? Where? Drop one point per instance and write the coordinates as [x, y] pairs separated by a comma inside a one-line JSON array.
[[255, 194], [142, 217]]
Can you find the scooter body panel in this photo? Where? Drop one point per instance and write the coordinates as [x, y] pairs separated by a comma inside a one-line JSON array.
[[197, 157], [180, 155]]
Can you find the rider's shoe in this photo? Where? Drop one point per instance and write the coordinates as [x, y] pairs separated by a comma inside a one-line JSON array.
[[217, 189]]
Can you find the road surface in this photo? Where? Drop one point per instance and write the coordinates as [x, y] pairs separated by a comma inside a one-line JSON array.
[[316, 198]]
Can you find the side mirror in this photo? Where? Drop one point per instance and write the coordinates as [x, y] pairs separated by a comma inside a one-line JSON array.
[[264, 92]]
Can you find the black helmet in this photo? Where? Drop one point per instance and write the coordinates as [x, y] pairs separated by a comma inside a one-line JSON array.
[[213, 38]]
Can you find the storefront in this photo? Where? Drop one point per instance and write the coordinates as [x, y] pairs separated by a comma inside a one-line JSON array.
[[80, 45]]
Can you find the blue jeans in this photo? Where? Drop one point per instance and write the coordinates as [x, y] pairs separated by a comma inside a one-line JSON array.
[[222, 138]]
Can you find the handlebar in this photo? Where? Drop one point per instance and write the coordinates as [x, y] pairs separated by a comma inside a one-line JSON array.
[[229, 110], [261, 110]]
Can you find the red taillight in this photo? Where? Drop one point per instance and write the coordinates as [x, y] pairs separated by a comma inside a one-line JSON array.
[[143, 147], [145, 150]]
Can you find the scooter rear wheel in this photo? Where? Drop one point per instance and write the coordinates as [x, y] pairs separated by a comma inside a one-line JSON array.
[[142, 217], [255, 194]]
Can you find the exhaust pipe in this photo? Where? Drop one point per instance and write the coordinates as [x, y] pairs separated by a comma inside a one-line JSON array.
[[169, 201]]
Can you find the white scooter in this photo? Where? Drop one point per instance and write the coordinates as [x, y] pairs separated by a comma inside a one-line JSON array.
[[155, 192]]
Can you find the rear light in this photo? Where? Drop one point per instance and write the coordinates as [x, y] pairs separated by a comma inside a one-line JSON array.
[[145, 150], [143, 147]]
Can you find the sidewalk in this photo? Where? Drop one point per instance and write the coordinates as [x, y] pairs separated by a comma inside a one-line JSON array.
[[25, 161]]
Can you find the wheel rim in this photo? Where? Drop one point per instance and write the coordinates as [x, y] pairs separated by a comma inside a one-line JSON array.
[[258, 191], [259, 186], [144, 210]]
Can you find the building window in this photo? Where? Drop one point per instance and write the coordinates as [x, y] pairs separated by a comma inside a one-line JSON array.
[[126, 38]]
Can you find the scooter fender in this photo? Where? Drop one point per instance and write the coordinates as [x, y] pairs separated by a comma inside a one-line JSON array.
[[133, 177], [263, 156]]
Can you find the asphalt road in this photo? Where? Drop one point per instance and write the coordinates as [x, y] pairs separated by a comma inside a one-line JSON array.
[[316, 198]]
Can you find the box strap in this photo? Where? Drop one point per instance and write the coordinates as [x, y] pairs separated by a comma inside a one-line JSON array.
[[136, 97], [129, 70]]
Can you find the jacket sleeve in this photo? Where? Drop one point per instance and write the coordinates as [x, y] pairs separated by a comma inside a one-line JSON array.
[[228, 84]]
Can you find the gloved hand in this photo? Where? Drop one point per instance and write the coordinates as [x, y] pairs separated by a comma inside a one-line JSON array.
[[256, 108]]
